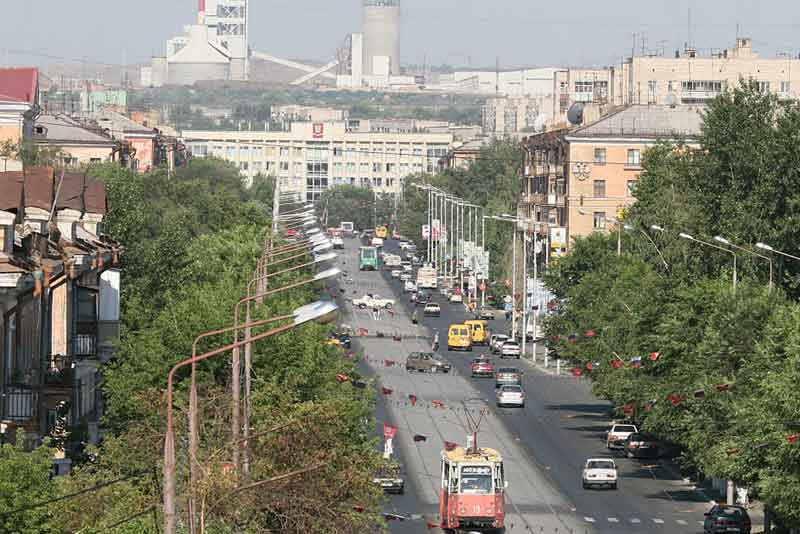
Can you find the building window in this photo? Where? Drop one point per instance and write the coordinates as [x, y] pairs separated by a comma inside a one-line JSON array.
[[390, 167], [763, 87], [376, 167], [599, 156], [652, 91], [284, 166], [670, 86], [390, 182], [632, 187], [378, 182], [704, 86], [634, 157], [338, 152], [599, 220], [599, 188], [284, 152]]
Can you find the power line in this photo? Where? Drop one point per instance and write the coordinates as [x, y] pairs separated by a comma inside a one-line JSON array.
[[63, 58]]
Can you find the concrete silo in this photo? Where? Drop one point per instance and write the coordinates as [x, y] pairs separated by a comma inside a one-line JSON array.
[[382, 37]]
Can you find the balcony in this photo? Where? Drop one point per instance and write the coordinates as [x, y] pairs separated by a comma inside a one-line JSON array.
[[84, 345], [18, 403]]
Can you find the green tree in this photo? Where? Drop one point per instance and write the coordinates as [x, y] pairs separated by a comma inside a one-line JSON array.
[[25, 481]]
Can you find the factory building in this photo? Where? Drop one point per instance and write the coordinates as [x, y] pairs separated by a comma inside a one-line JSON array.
[[215, 48]]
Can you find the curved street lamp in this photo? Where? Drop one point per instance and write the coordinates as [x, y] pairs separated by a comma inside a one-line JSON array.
[[720, 239], [688, 237], [322, 312]]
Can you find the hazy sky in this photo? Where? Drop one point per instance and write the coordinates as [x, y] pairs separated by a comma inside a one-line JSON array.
[[458, 32]]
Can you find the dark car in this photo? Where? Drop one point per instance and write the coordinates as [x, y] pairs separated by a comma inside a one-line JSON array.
[[426, 362], [726, 518], [641, 445], [423, 299], [341, 339]]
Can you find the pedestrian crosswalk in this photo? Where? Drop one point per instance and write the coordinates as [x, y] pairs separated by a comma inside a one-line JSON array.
[[639, 521]]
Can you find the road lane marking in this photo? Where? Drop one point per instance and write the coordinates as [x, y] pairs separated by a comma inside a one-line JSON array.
[[658, 521], [681, 522], [589, 519], [636, 520], [613, 520]]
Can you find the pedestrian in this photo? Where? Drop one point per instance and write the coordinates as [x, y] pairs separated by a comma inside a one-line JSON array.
[[414, 317], [376, 313]]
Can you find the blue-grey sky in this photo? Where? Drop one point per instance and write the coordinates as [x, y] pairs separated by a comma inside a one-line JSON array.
[[458, 32]]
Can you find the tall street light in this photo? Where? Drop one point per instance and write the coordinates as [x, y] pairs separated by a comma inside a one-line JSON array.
[[304, 316], [684, 235], [764, 246], [720, 239]]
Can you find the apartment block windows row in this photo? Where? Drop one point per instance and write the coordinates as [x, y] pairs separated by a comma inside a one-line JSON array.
[[599, 220], [634, 158], [600, 156], [599, 188]]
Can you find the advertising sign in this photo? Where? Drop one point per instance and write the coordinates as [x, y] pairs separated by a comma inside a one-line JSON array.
[[426, 232], [436, 228]]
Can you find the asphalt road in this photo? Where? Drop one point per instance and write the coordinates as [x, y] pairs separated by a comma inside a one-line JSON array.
[[544, 443]]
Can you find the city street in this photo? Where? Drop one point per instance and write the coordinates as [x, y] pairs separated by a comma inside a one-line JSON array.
[[544, 443]]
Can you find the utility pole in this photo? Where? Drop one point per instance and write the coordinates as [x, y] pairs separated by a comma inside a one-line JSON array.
[[514, 286]]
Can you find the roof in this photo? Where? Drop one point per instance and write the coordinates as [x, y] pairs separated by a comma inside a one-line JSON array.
[[19, 84], [460, 454], [118, 123], [642, 121], [66, 130], [11, 190]]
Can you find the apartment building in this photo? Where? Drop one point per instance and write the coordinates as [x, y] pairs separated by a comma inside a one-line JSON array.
[[506, 115], [312, 157], [59, 303], [689, 78], [581, 180]]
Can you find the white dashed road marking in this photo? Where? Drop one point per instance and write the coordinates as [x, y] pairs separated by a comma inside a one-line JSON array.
[[681, 522], [589, 519], [658, 521], [636, 520], [613, 520]]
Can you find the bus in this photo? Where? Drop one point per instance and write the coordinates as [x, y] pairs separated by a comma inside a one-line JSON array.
[[382, 232], [472, 488], [368, 259], [427, 277]]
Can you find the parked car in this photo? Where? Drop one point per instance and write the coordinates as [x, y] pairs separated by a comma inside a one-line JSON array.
[[426, 362], [726, 518], [432, 309], [337, 242], [510, 349], [390, 481], [482, 367], [373, 301], [406, 276], [511, 396], [496, 341], [409, 287], [618, 435], [455, 298], [340, 339], [423, 298], [507, 376], [641, 445], [406, 266], [395, 273], [599, 472]]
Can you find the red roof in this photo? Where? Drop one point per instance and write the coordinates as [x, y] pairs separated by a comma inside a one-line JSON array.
[[19, 85]]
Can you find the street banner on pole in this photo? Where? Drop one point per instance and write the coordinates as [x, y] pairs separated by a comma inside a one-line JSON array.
[[426, 232]]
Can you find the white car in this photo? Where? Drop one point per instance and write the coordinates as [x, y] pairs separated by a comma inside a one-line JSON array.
[[406, 276], [599, 472], [456, 298], [396, 273], [510, 349], [496, 341], [406, 266], [618, 435], [409, 287], [432, 309], [337, 242], [511, 396], [373, 301]]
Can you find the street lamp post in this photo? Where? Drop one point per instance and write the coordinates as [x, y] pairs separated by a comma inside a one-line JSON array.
[[169, 489], [727, 242], [764, 246], [684, 235]]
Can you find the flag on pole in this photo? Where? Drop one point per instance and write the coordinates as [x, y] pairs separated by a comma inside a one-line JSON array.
[[636, 362], [654, 356]]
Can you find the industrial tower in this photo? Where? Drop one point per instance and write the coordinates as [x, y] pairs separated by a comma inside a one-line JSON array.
[[382, 37]]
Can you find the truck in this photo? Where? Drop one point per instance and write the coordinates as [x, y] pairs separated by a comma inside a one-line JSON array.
[[347, 228], [427, 277], [373, 301]]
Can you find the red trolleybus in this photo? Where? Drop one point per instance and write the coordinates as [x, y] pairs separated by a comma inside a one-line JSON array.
[[471, 494]]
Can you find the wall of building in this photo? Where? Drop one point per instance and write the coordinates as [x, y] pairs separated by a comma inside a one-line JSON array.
[[382, 35], [314, 156]]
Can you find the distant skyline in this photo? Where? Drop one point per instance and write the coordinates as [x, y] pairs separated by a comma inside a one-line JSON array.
[[461, 33]]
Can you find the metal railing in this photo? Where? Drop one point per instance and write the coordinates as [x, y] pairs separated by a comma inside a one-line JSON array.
[[84, 345], [18, 403]]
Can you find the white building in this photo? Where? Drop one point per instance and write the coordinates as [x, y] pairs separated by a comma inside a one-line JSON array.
[[314, 156]]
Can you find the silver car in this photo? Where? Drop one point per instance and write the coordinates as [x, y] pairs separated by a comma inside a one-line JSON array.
[[511, 396], [496, 341], [508, 376], [510, 349]]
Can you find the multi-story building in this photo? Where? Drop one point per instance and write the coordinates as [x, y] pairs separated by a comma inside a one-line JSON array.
[[59, 303], [506, 115], [77, 144], [584, 86], [580, 181], [286, 115], [19, 97], [314, 156], [689, 78]]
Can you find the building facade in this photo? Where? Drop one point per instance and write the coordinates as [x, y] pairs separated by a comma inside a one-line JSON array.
[[19, 97], [312, 157], [580, 181], [78, 145], [59, 303], [689, 78]]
